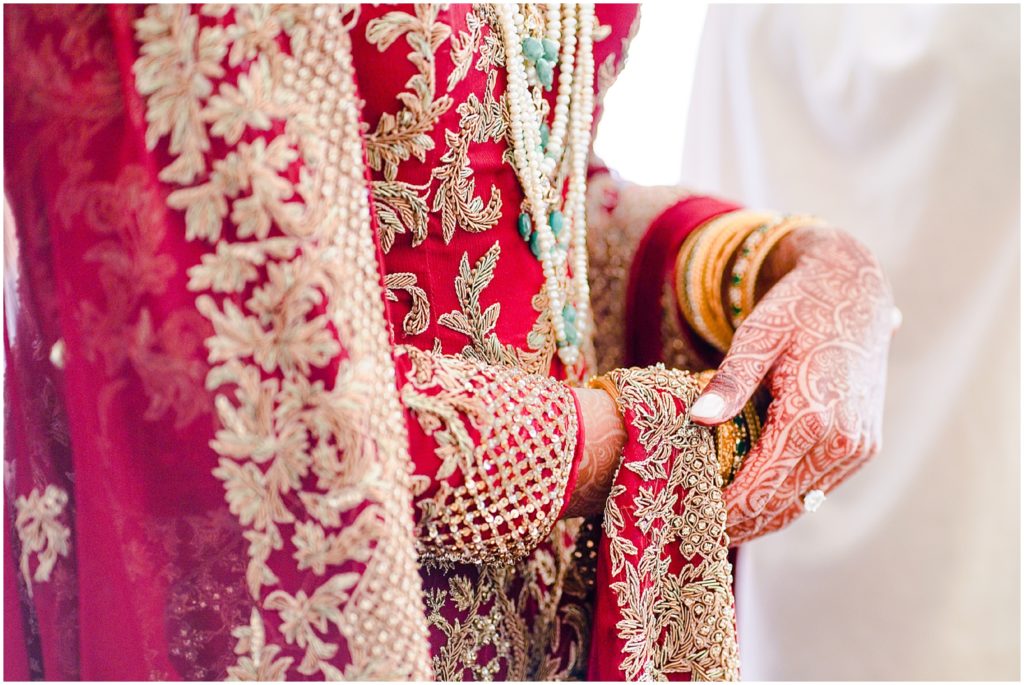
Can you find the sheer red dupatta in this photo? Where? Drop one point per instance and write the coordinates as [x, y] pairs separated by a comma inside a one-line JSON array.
[[236, 497]]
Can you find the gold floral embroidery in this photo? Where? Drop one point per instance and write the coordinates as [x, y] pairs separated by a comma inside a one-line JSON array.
[[455, 197], [416, 321], [295, 454], [488, 637], [175, 70], [682, 621], [41, 532], [478, 324], [257, 661], [407, 134], [485, 420]]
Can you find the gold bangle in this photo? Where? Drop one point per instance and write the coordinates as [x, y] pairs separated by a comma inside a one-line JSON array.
[[720, 253], [750, 260], [703, 258], [683, 265], [605, 382]]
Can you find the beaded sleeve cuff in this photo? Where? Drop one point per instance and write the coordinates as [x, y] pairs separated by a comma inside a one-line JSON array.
[[505, 446]]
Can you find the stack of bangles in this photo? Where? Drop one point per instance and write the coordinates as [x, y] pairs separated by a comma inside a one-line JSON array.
[[742, 238]]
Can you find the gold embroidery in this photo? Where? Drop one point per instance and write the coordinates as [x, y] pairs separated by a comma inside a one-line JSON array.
[[400, 209], [398, 137], [488, 637], [295, 454], [613, 238], [500, 506], [455, 197], [175, 69], [41, 533], [257, 660], [464, 46], [416, 321], [478, 324], [683, 621]]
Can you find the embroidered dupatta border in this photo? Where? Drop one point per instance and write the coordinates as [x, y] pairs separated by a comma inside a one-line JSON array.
[[312, 440]]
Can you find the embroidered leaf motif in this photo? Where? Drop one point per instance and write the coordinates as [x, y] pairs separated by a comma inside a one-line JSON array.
[[400, 209], [40, 531], [464, 46], [176, 64], [257, 661], [418, 318], [455, 197], [399, 137], [478, 324]]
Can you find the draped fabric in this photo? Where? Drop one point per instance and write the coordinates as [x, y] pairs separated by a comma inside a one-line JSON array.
[[282, 398]]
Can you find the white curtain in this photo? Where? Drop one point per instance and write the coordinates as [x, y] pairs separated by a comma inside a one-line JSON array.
[[902, 125]]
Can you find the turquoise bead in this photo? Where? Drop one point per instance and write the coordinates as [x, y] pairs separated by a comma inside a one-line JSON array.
[[556, 221], [550, 49], [525, 229], [535, 244], [545, 134], [569, 313], [532, 49], [572, 336], [545, 73]]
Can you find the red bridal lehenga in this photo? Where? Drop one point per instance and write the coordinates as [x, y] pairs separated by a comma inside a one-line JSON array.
[[283, 397]]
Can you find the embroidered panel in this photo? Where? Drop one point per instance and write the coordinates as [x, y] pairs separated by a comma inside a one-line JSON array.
[[665, 551], [312, 435]]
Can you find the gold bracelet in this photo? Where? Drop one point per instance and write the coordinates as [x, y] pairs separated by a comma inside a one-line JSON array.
[[605, 382], [700, 270], [752, 254]]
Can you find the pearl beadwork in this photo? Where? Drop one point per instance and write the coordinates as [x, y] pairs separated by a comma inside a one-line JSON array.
[[557, 235]]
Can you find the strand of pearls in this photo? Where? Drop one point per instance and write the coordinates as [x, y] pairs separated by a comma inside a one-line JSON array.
[[536, 163], [556, 139], [583, 119]]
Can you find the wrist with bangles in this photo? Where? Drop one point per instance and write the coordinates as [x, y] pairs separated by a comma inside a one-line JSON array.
[[719, 265]]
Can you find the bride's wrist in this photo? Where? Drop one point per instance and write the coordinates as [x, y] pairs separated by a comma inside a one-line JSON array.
[[604, 439]]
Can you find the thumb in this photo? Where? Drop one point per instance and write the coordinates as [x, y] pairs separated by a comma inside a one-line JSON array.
[[738, 377]]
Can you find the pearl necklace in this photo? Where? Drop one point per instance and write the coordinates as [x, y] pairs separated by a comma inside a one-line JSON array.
[[554, 235]]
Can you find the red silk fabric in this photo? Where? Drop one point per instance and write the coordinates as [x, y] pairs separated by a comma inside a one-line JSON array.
[[653, 266]]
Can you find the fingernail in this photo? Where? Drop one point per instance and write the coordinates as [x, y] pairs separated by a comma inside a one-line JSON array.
[[708, 407], [897, 318]]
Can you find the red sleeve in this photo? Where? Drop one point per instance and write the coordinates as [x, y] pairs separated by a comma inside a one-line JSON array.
[[653, 265]]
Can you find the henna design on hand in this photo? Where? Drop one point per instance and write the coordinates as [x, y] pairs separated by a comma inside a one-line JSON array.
[[821, 335]]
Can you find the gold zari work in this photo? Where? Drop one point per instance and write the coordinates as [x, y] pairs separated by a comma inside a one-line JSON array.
[[294, 454], [41, 532], [512, 476], [673, 622]]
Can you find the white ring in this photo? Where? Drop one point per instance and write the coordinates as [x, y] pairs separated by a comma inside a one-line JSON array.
[[813, 500]]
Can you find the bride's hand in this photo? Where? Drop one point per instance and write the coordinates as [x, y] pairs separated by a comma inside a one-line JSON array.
[[821, 336]]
